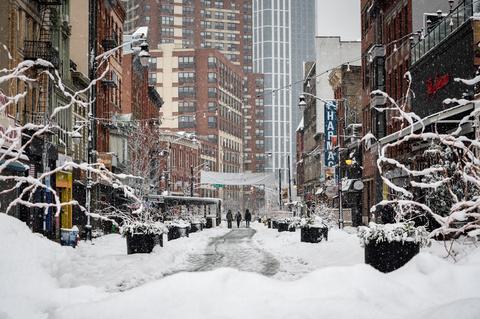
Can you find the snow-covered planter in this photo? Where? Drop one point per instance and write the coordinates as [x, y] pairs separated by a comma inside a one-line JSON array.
[[398, 232], [177, 228], [313, 230], [288, 224], [143, 237], [390, 246]]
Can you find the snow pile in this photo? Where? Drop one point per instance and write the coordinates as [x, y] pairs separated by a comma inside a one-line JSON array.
[[39, 279], [297, 258], [29, 265], [428, 288], [107, 265]]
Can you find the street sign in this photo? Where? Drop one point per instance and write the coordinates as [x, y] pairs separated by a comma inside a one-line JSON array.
[[358, 185], [218, 185]]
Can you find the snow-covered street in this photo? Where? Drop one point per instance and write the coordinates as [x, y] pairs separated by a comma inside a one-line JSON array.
[[221, 273]]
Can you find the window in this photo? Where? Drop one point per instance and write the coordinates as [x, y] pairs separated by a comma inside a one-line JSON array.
[[212, 77], [219, 15], [231, 37], [219, 25], [186, 61], [152, 78], [187, 106], [212, 122], [231, 26], [167, 32], [166, 8], [186, 121], [187, 21], [184, 77], [188, 10], [186, 91], [212, 92], [152, 64], [187, 33], [212, 62], [167, 20], [212, 106]]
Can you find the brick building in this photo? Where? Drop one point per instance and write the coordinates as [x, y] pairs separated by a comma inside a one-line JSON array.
[[178, 157], [109, 34], [222, 25], [253, 136], [312, 150], [182, 34], [388, 29], [346, 83]]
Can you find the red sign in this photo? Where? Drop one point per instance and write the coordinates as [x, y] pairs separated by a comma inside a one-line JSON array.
[[435, 85]]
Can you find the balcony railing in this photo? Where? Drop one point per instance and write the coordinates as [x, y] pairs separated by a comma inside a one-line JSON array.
[[33, 50], [444, 28]]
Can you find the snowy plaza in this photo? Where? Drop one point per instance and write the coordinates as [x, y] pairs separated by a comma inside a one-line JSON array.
[[222, 273], [239, 159]]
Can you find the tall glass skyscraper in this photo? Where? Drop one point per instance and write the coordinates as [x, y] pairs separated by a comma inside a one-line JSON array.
[[283, 38], [272, 55]]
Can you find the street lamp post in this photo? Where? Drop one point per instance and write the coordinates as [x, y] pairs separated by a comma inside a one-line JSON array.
[[302, 104]]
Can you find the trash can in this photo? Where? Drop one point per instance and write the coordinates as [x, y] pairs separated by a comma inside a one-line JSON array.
[[69, 237]]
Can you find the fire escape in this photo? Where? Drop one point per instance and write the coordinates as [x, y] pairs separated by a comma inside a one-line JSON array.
[[41, 47]]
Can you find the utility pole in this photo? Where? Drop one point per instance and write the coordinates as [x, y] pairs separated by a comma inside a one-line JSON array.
[[92, 38], [191, 180], [289, 181], [280, 188]]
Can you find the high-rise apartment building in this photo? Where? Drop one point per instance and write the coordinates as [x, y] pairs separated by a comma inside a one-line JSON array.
[[201, 58], [217, 24], [303, 50]]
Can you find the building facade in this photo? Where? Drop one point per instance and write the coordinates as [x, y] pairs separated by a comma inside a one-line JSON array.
[[346, 83], [388, 31], [272, 57], [303, 49]]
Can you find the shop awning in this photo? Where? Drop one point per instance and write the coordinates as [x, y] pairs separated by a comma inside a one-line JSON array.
[[184, 200], [13, 153], [431, 119], [16, 166]]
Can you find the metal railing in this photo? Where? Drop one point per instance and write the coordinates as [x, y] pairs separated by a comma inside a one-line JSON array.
[[33, 50], [457, 17]]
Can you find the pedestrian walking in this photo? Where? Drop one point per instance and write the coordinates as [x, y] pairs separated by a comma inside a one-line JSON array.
[[238, 217], [229, 218], [248, 218]]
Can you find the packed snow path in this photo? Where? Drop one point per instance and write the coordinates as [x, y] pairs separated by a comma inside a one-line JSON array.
[[236, 249]]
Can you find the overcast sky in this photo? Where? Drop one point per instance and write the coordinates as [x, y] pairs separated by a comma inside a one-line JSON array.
[[338, 17]]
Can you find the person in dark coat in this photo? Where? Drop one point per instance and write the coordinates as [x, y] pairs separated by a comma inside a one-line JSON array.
[[248, 218], [229, 218], [238, 217]]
